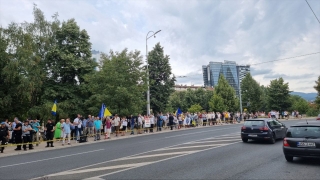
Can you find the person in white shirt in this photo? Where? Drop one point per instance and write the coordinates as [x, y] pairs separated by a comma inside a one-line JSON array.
[[124, 124], [77, 125], [117, 124], [139, 124], [151, 117]]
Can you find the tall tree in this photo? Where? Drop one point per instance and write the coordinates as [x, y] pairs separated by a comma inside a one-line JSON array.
[[278, 95], [161, 79], [264, 99], [120, 84], [217, 103], [299, 104], [251, 94], [227, 93], [317, 88]]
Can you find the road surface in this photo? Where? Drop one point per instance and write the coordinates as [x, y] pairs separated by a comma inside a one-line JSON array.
[[197, 153]]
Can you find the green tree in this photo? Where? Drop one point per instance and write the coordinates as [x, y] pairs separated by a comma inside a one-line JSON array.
[[161, 80], [227, 93], [120, 84], [195, 108], [251, 94], [278, 95], [264, 99], [177, 100], [299, 104], [317, 88], [217, 104]]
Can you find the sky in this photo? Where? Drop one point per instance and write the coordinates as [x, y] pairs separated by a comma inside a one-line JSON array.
[[193, 33]]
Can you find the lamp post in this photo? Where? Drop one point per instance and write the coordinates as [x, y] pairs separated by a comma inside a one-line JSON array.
[[148, 92]]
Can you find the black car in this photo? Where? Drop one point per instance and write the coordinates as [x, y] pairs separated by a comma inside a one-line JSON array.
[[302, 140], [263, 129]]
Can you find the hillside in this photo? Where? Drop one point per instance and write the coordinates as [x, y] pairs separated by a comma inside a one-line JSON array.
[[306, 96]]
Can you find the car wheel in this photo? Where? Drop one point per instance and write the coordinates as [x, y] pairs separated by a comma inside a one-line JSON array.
[[273, 139], [244, 140], [289, 158]]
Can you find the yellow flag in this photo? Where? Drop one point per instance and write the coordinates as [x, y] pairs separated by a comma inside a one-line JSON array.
[[106, 113]]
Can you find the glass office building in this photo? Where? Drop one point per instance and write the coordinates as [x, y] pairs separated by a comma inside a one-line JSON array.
[[230, 71]]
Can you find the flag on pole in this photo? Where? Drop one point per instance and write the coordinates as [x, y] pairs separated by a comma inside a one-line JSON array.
[[178, 112], [54, 108], [101, 113], [107, 112]]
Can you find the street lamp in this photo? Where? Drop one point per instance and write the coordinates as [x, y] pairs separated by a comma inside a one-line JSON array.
[[148, 92]]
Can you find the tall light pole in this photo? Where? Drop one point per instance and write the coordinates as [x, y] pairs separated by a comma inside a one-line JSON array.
[[148, 92]]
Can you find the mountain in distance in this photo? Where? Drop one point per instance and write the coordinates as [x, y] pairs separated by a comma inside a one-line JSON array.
[[306, 96]]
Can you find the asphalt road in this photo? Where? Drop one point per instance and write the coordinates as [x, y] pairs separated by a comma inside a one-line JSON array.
[[199, 153]]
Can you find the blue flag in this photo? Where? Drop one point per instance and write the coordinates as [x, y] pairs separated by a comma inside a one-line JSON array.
[[54, 108], [178, 112], [101, 113]]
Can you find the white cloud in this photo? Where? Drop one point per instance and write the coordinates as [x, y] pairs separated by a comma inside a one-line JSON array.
[[196, 32]]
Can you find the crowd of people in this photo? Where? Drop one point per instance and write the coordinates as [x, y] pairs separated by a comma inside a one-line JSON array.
[[29, 133]]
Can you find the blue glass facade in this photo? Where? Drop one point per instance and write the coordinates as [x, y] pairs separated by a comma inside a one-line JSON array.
[[227, 68]]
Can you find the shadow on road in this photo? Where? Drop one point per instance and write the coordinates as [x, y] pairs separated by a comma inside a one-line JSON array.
[[306, 161], [261, 142]]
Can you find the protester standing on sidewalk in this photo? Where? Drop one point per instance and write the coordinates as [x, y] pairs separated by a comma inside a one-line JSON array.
[[26, 128], [49, 133], [151, 117], [108, 128], [66, 131], [124, 124], [57, 132], [17, 133], [132, 123], [171, 118], [117, 124], [90, 126], [4, 135], [35, 126], [76, 123], [97, 125]]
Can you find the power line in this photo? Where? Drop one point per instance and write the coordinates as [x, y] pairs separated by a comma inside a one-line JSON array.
[[313, 12], [285, 58]]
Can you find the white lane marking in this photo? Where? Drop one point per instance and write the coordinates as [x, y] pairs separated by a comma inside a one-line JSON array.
[[99, 169], [154, 155], [200, 142], [50, 158], [199, 132], [93, 178], [186, 147]]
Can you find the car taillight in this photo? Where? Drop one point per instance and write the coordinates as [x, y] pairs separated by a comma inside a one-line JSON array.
[[285, 143], [243, 128], [265, 128]]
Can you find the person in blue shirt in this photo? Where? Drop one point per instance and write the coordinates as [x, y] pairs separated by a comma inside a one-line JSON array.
[[97, 125], [132, 123], [35, 126], [66, 131]]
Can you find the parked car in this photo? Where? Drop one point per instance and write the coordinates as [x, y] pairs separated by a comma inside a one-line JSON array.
[[318, 118], [263, 129], [302, 140]]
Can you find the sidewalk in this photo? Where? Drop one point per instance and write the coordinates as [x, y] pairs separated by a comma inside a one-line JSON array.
[[9, 151]]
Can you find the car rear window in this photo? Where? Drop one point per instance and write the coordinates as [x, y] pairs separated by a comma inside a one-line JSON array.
[[254, 123], [304, 131]]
